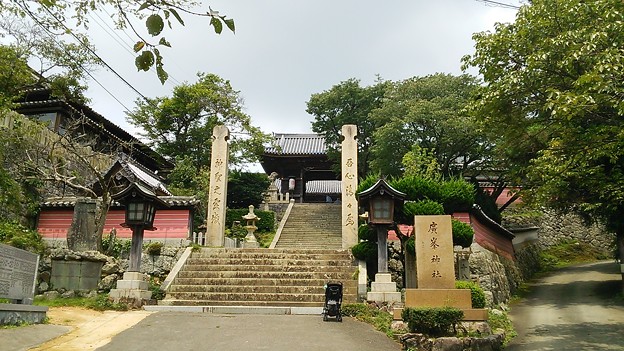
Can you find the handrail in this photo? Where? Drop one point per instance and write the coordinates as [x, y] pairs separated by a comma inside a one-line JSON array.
[[282, 224]]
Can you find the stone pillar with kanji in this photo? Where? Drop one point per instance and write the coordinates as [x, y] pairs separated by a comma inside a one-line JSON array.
[[215, 222], [435, 269], [349, 186]]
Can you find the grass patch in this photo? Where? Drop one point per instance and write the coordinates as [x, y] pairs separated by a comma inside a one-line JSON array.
[[380, 320], [568, 253], [265, 238], [99, 303], [500, 320]]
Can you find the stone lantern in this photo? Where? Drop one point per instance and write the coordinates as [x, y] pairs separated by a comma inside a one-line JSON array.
[[381, 200], [250, 224]]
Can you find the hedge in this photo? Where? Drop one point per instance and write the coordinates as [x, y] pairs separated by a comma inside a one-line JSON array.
[[462, 233], [365, 250], [477, 295], [433, 321], [265, 224]]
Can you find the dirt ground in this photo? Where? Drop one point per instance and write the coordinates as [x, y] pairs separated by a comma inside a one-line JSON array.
[[91, 329]]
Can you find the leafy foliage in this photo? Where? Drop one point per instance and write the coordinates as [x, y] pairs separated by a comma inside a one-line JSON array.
[[366, 233], [179, 126], [265, 224], [433, 321], [422, 117], [158, 16], [365, 251], [553, 99], [347, 103], [246, 189], [462, 233], [477, 295], [115, 247], [18, 236], [422, 207]]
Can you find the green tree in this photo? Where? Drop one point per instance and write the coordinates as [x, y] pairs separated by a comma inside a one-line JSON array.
[[157, 16], [347, 103], [245, 188], [180, 126], [427, 111], [553, 100]]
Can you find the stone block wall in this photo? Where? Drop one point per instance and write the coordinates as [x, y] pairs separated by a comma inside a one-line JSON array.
[[556, 227]]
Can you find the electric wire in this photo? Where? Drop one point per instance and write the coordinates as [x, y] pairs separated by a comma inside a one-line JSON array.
[[500, 4]]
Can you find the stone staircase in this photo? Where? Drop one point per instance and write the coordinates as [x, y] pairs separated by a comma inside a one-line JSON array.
[[262, 277], [312, 226]]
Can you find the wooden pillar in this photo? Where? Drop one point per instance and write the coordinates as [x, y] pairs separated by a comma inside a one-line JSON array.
[[136, 249]]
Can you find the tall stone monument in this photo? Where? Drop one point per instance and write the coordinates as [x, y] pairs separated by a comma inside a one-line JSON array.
[[82, 234], [215, 226], [349, 186], [435, 268]]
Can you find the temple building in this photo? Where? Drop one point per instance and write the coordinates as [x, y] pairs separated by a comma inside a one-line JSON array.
[[301, 168]]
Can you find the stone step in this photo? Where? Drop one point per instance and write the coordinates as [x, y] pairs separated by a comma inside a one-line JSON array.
[[278, 254], [225, 261], [256, 297], [336, 275], [262, 268], [260, 281], [255, 289], [217, 251], [177, 302]]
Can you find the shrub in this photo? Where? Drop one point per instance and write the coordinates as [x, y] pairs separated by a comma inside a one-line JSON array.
[[18, 236], [366, 233], [462, 233], [154, 248], [365, 250], [417, 188], [457, 195], [422, 207], [433, 321], [477, 295], [118, 248]]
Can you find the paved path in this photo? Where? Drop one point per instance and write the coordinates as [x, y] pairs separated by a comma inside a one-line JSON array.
[[573, 309], [177, 331]]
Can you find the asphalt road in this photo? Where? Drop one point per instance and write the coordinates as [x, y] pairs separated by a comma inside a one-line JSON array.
[[177, 331], [572, 309]]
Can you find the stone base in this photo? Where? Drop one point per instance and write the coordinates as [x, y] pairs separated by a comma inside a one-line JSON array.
[[251, 245], [458, 298], [15, 314], [383, 289], [132, 286]]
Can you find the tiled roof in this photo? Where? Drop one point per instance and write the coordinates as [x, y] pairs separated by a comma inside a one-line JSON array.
[[298, 144], [147, 178], [323, 187], [70, 202]]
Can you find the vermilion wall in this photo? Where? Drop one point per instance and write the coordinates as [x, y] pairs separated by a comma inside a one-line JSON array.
[[170, 224]]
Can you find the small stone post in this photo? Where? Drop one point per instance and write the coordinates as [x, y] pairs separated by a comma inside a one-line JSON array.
[[349, 186], [215, 226]]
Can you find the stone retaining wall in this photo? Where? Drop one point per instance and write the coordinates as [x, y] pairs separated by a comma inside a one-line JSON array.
[[556, 227], [157, 266]]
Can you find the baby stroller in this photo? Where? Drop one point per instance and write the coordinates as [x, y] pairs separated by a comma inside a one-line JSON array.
[[333, 300]]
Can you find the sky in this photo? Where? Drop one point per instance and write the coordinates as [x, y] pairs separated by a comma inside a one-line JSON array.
[[284, 51]]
